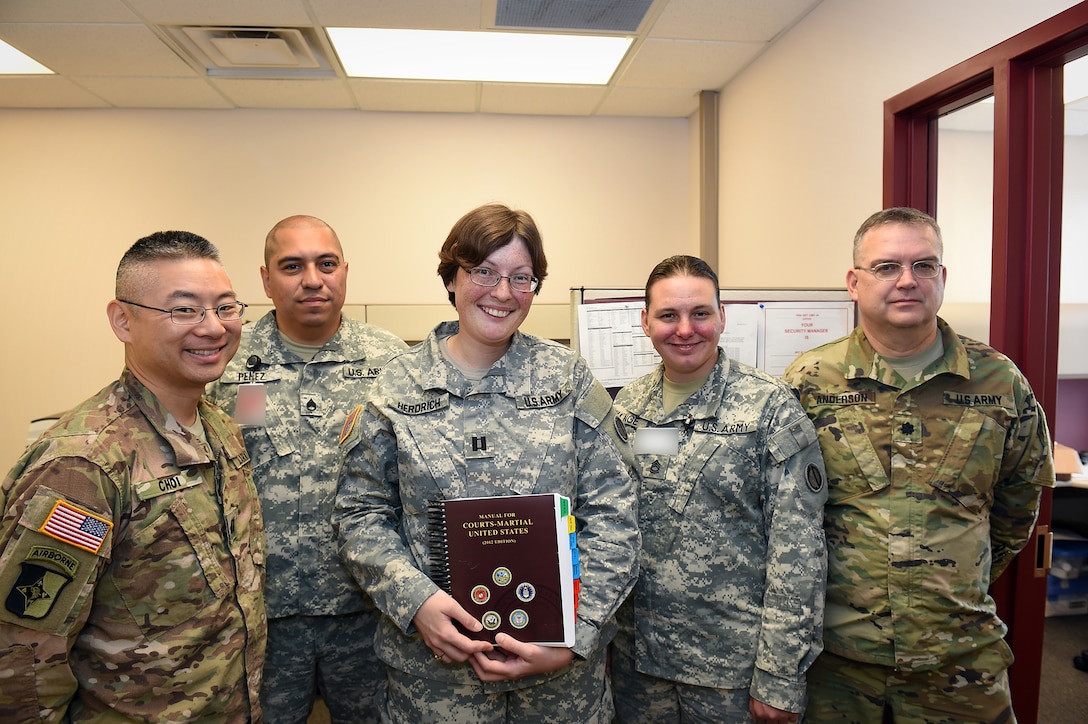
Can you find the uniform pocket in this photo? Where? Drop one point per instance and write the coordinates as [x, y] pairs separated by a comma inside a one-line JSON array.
[[20, 700], [969, 466], [174, 573], [853, 467]]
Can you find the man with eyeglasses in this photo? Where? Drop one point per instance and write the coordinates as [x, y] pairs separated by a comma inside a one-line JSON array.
[[936, 453], [301, 368], [131, 543]]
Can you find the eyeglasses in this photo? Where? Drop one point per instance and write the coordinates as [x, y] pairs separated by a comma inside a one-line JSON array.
[[195, 315], [890, 271], [485, 277]]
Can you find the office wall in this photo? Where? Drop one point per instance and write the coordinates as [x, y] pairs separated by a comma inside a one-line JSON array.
[[802, 127], [612, 196]]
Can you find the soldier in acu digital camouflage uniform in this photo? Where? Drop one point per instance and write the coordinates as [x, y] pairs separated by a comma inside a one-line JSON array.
[[936, 453], [480, 409], [725, 618], [131, 544], [299, 370]]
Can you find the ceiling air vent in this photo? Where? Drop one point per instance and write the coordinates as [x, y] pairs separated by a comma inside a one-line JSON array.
[[623, 16], [274, 52]]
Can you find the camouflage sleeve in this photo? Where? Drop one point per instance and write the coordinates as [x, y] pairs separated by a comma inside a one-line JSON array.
[[1027, 465], [607, 515], [47, 586], [791, 631], [367, 521]]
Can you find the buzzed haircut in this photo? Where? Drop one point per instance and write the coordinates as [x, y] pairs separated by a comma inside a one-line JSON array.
[[897, 215], [160, 246], [298, 221], [682, 265]]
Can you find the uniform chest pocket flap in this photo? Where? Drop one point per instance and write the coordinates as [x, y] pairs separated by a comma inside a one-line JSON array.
[[967, 470], [688, 471], [172, 574], [853, 466]]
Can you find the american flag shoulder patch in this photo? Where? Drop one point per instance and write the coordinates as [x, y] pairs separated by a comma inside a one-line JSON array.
[[78, 527]]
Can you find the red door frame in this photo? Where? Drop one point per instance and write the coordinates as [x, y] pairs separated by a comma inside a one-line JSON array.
[[1024, 74]]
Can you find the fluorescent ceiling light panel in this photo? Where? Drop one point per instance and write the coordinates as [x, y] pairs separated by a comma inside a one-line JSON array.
[[478, 56], [14, 62]]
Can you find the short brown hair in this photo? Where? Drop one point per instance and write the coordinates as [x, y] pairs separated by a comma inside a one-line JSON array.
[[897, 215], [482, 231]]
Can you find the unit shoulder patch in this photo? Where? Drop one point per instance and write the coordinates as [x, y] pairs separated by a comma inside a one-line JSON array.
[[35, 590]]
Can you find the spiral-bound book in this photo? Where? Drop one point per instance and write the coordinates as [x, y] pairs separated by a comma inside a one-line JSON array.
[[511, 561]]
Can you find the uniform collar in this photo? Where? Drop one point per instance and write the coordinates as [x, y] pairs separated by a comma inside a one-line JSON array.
[[509, 375], [863, 361], [187, 449], [263, 338], [703, 404]]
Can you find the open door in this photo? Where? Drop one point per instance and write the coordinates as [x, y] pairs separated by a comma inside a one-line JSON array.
[[1024, 75]]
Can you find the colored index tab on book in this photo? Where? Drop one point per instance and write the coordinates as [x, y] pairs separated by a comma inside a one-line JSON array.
[[509, 561]]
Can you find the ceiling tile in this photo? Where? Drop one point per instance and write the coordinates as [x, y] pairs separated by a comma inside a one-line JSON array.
[[65, 11], [260, 13], [434, 15], [303, 94], [659, 102], [45, 91], [156, 92], [414, 96], [751, 21], [699, 65], [550, 100], [73, 49]]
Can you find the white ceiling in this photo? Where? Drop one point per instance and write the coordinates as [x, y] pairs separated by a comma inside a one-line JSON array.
[[133, 54]]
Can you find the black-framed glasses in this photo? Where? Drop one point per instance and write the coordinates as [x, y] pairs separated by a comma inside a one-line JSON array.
[[485, 277], [188, 316], [890, 271]]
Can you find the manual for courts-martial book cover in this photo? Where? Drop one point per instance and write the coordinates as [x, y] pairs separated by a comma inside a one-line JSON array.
[[511, 561]]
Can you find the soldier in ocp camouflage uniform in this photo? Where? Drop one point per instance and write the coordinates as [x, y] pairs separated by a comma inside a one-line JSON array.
[[726, 616], [936, 452], [310, 366], [131, 544], [477, 409]]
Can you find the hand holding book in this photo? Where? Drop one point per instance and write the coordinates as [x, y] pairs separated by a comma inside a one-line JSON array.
[[441, 620], [513, 659], [511, 561]]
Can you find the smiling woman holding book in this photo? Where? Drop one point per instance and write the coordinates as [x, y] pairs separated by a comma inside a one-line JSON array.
[[480, 409]]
